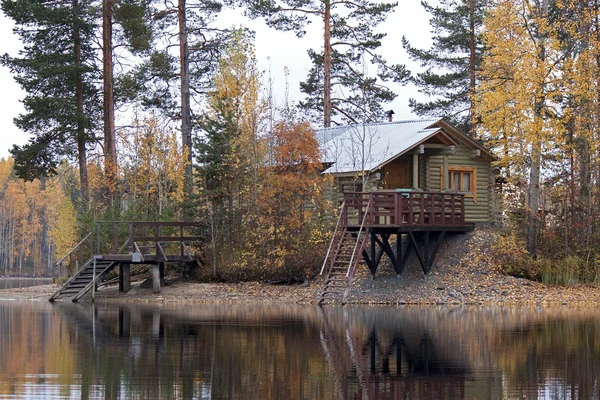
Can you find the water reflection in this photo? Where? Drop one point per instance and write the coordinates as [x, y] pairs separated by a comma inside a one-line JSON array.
[[294, 352]]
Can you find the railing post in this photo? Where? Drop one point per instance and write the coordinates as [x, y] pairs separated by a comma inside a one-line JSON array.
[[130, 236], [181, 238], [97, 237], [371, 217], [397, 219], [115, 237], [443, 209], [462, 209], [410, 208], [421, 208], [432, 210], [80, 257]]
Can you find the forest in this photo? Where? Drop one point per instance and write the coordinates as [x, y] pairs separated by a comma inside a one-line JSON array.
[[155, 111]]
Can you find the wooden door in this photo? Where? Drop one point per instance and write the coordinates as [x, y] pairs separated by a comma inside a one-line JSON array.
[[397, 175]]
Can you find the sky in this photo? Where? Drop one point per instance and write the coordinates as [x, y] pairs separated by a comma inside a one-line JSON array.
[[275, 51]]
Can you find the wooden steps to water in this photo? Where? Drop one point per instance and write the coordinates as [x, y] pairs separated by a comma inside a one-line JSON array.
[[340, 271], [347, 247], [82, 281], [143, 242]]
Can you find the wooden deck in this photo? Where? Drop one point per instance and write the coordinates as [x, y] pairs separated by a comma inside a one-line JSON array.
[[412, 211], [123, 244], [367, 225]]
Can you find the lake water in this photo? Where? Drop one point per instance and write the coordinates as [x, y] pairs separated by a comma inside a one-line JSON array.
[[69, 351]]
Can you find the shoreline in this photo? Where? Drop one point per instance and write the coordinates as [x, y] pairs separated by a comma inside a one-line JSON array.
[[374, 292], [462, 275]]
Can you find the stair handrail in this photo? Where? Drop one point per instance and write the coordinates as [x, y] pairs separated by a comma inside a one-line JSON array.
[[362, 225], [59, 262], [337, 225]]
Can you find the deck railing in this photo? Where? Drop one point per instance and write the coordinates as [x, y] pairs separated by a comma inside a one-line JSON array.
[[118, 237], [404, 209]]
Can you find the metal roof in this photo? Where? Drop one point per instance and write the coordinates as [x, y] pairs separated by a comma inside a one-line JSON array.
[[366, 147]]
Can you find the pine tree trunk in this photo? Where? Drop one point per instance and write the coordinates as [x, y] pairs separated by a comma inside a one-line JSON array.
[[81, 139], [327, 66], [186, 126], [471, 66], [110, 151]]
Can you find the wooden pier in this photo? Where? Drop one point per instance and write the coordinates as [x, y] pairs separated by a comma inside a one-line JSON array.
[[368, 222], [123, 244]]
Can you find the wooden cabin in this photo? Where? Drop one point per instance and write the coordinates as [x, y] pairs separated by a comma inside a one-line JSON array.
[[428, 155]]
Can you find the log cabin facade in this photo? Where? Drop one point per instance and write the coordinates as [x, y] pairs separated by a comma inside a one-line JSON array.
[[429, 155]]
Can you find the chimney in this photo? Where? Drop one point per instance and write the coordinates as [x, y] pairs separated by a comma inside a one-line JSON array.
[[390, 115]]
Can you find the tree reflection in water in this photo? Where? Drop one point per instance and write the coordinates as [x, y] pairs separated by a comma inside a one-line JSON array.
[[296, 352]]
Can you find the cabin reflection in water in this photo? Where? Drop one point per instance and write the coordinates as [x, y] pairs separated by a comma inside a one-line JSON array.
[[381, 357]]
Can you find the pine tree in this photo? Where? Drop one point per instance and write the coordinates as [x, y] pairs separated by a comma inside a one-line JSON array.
[[56, 69], [173, 81], [135, 34], [340, 83], [451, 64]]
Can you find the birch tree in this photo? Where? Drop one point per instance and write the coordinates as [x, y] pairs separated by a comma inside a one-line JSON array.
[[520, 91]]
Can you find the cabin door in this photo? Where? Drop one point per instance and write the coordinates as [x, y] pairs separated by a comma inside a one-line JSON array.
[[397, 175]]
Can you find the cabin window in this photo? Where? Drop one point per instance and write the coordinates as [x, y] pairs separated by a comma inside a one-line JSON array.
[[462, 180]]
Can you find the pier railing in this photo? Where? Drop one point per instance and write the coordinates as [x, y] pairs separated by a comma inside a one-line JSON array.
[[404, 209], [119, 237]]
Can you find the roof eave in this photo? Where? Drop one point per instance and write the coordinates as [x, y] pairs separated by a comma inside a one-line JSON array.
[[464, 138]]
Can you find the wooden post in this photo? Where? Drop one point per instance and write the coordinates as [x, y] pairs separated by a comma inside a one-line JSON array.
[[181, 239], [130, 238], [94, 281], [115, 237], [399, 257], [124, 277], [373, 256], [156, 278], [161, 269], [445, 177], [121, 281], [97, 237], [415, 171]]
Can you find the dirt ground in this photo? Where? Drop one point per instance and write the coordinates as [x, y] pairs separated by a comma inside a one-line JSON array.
[[460, 275]]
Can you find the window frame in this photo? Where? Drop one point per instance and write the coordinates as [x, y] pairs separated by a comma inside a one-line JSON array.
[[461, 169]]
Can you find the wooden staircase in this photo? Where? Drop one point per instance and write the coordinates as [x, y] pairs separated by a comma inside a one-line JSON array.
[[82, 281], [348, 247]]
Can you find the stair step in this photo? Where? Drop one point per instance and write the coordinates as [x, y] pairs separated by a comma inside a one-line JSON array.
[[73, 291], [77, 286]]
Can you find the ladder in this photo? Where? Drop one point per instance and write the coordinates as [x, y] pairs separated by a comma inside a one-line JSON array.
[[83, 280], [348, 248]]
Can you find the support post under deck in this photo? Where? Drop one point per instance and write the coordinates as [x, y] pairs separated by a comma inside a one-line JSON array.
[[124, 277], [161, 268], [156, 278]]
